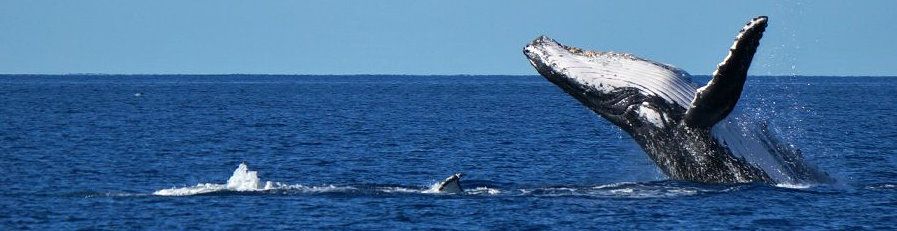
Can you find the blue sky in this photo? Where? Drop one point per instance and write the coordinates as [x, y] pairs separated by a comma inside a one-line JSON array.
[[432, 37]]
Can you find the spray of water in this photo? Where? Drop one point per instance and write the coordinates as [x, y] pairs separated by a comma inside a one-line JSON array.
[[242, 180]]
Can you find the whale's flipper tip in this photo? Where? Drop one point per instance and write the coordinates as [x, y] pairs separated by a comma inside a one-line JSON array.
[[714, 101], [452, 184]]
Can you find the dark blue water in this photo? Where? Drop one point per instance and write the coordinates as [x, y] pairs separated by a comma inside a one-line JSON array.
[[358, 151]]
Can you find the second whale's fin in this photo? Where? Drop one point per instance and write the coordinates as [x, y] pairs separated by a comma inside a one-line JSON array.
[[452, 184], [713, 102]]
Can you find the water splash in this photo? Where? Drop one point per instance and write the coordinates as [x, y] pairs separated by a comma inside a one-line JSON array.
[[242, 180], [245, 180]]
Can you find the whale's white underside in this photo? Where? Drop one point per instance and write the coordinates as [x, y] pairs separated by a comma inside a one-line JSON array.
[[606, 71]]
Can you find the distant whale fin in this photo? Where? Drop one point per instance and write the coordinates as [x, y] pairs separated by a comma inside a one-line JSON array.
[[716, 100], [451, 184]]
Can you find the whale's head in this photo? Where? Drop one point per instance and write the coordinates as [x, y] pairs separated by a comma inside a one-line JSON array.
[[630, 92]]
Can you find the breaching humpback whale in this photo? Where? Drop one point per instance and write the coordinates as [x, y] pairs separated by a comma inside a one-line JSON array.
[[682, 127]]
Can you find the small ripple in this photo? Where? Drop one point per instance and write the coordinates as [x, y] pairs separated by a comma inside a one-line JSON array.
[[883, 186], [794, 185], [626, 190], [276, 188], [263, 125], [483, 191], [311, 143]]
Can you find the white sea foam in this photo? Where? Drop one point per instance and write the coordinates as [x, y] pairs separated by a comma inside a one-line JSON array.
[[400, 190], [483, 191], [882, 186], [277, 186], [794, 185], [242, 180], [612, 185], [619, 190], [202, 188], [642, 191]]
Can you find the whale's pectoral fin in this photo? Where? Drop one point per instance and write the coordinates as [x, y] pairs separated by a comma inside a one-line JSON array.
[[452, 184], [716, 100]]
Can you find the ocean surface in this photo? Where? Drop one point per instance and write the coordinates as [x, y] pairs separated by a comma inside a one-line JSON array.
[[360, 152]]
